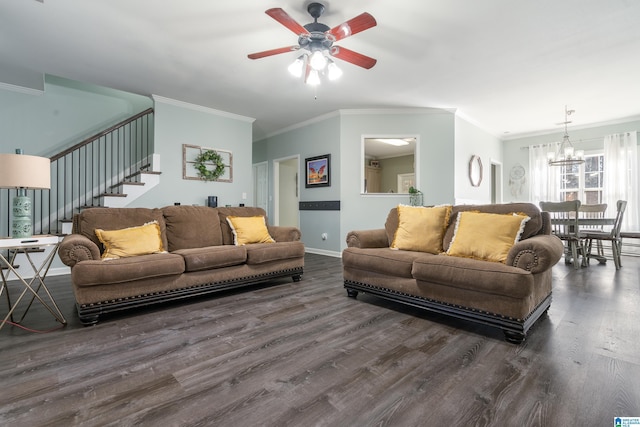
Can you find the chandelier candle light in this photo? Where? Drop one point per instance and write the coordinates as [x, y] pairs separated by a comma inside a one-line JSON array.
[[566, 154], [23, 172]]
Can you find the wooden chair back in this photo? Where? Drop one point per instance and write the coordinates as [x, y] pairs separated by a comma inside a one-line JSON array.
[[594, 211], [564, 218]]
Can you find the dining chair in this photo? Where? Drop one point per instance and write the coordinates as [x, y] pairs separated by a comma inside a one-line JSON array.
[[593, 211], [564, 224], [612, 236]]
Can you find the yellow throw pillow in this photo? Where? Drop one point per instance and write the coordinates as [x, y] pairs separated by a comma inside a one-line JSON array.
[[421, 229], [249, 229], [486, 236], [132, 241]]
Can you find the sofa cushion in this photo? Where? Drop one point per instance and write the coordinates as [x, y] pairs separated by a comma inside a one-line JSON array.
[[249, 229], [98, 272], [131, 241], [476, 275], [421, 228], [486, 236], [531, 228], [88, 220], [197, 259], [383, 260], [192, 227], [260, 253]]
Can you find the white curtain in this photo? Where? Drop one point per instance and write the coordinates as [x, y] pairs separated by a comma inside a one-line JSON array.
[[544, 182], [621, 176]]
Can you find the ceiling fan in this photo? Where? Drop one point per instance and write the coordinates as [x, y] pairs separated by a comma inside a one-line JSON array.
[[317, 39]]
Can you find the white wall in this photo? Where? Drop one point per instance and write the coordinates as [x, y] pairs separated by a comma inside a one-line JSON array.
[[469, 141], [515, 150]]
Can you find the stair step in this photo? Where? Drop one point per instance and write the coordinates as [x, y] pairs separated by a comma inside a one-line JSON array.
[[127, 183], [110, 195], [143, 173]]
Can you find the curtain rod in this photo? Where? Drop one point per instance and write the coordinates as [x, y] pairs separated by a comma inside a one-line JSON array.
[[582, 140]]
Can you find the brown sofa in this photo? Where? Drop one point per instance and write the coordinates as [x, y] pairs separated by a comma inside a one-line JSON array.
[[200, 257], [510, 295]]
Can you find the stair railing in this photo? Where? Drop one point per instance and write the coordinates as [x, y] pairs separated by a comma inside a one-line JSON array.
[[81, 174]]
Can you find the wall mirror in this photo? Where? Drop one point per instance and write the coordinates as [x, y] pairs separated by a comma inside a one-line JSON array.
[[475, 171], [388, 164]]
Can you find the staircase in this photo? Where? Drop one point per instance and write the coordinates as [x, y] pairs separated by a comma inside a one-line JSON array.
[[109, 169]]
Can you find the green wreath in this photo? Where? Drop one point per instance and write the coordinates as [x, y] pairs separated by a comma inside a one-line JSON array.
[[209, 156]]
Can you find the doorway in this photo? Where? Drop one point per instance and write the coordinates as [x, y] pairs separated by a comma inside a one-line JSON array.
[[286, 188], [261, 185], [496, 182]]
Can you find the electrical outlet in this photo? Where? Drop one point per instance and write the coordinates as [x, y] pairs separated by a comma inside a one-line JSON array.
[[324, 236], [244, 196]]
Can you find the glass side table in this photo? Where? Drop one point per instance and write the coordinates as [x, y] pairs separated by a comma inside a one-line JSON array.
[[34, 285]]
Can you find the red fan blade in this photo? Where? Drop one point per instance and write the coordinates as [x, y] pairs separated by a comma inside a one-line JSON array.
[[283, 17], [266, 53], [353, 26], [354, 57]]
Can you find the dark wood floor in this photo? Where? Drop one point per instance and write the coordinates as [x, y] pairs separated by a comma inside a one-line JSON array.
[[303, 354]]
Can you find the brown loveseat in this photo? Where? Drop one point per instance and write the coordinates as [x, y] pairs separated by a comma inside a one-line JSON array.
[[199, 257], [510, 295]]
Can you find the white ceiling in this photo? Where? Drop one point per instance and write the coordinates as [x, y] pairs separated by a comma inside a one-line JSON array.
[[505, 65]]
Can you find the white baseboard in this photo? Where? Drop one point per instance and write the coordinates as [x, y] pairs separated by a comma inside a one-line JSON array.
[[323, 252]]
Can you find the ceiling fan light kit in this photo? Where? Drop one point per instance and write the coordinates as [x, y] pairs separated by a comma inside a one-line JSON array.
[[316, 40]]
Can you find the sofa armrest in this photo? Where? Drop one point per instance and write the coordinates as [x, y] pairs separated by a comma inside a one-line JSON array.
[[368, 239], [75, 248], [536, 254], [281, 233]]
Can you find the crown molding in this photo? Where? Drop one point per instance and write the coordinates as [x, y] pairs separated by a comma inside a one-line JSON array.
[[200, 108], [21, 89], [572, 128], [355, 112]]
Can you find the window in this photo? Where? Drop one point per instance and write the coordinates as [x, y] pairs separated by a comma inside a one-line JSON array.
[[583, 182]]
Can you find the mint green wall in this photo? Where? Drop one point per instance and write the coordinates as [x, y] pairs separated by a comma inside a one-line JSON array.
[[435, 159], [515, 151], [340, 134], [63, 115], [314, 139], [470, 141], [177, 123]]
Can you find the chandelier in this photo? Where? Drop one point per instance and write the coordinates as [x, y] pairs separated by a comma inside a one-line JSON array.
[[566, 154]]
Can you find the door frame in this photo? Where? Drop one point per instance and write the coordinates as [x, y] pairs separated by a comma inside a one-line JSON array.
[[276, 187]]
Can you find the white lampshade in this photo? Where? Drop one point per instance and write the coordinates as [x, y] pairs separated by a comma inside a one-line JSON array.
[[334, 71], [297, 67], [313, 79], [24, 171], [317, 60]]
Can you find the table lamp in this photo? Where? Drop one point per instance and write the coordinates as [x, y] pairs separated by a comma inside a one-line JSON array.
[[23, 172]]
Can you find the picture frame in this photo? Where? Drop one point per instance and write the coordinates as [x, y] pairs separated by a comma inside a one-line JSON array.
[[189, 154], [318, 171]]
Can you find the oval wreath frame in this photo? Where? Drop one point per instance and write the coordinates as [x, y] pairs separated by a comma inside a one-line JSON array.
[[209, 156]]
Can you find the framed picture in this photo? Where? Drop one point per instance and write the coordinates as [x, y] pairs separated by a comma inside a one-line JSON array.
[[318, 171], [191, 152]]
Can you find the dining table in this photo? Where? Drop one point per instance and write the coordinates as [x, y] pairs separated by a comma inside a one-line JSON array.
[[586, 222]]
